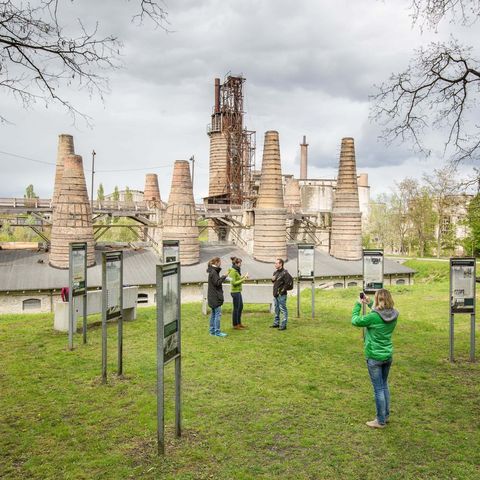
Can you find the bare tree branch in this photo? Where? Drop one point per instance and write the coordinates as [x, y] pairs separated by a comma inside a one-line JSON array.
[[38, 57], [438, 90]]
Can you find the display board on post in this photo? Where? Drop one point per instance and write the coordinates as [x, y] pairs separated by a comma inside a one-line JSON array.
[[112, 304], [77, 284], [170, 251], [306, 271], [462, 297], [168, 343]]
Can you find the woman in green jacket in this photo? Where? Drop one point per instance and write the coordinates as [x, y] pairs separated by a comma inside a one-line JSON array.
[[380, 324], [236, 281]]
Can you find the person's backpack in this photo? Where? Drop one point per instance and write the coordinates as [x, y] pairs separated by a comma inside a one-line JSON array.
[[288, 281]]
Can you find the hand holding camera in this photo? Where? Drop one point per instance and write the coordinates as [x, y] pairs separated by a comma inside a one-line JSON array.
[[364, 298]]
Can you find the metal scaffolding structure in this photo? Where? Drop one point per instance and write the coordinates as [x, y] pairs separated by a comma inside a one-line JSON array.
[[228, 119]]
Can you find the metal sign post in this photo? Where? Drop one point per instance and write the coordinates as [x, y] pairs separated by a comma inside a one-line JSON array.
[[168, 343], [170, 251], [462, 297], [306, 271], [372, 273], [77, 283], [112, 304]]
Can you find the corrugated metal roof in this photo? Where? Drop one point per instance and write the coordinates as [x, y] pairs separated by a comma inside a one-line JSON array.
[[29, 270]]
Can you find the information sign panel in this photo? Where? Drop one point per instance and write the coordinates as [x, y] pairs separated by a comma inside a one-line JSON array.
[[372, 270], [78, 267], [306, 261], [113, 283], [171, 251], [171, 311], [462, 281], [168, 343]]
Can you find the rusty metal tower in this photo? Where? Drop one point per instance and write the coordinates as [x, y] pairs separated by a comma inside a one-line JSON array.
[[232, 146]]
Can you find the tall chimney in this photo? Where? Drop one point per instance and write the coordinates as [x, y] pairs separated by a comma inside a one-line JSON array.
[[65, 147], [269, 241], [346, 235], [216, 108], [180, 219], [151, 194], [72, 217], [303, 158]]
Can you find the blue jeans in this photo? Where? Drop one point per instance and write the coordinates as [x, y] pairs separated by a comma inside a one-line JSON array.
[[280, 304], [215, 317], [237, 308], [378, 371]]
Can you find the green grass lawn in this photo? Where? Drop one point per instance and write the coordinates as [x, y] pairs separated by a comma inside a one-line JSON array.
[[259, 404]]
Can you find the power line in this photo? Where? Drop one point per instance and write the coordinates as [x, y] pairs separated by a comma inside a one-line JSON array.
[[27, 158]]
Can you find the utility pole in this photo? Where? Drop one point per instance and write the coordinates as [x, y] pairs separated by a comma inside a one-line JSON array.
[[93, 176], [192, 159]]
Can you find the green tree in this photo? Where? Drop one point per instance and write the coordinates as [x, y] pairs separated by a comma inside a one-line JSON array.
[[128, 194], [115, 194], [100, 193], [473, 222], [29, 192]]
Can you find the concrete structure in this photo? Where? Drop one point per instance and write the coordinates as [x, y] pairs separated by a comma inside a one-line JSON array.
[[180, 219], [304, 159], [72, 216], [292, 198], [346, 236], [65, 147], [270, 240]]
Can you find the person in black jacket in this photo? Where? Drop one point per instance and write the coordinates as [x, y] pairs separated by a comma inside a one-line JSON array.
[[280, 295], [215, 296]]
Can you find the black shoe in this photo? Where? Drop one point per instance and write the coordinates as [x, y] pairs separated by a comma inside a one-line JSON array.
[[283, 327], [274, 326]]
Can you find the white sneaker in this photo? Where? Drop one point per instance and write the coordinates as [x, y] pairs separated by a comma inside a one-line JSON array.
[[375, 424]]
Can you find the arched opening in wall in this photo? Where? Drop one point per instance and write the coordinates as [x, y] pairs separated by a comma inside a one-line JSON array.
[[338, 285], [400, 281], [31, 304], [352, 284], [142, 298]]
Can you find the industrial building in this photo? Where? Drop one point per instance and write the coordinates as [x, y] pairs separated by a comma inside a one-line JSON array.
[[260, 214]]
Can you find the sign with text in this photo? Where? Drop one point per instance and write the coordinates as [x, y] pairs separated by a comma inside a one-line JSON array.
[[372, 270], [170, 305], [306, 260], [171, 251], [112, 285], [78, 268], [462, 285]]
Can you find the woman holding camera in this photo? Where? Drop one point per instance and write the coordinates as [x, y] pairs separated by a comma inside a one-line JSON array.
[[379, 324], [236, 281]]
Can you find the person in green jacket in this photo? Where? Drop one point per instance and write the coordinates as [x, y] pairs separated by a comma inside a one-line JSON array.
[[236, 281], [379, 324]]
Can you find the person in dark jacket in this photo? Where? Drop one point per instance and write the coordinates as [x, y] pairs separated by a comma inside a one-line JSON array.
[[380, 324], [215, 296], [279, 295]]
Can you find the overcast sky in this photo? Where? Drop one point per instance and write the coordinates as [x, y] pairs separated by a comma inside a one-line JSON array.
[[310, 68]]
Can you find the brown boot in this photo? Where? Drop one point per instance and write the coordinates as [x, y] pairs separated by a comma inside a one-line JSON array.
[[237, 327], [242, 326]]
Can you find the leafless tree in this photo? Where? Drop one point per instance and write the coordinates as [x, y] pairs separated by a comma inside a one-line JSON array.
[[38, 56], [439, 89]]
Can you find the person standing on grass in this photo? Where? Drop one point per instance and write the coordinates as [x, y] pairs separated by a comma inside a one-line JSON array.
[[280, 280], [215, 296], [379, 324], [236, 281]]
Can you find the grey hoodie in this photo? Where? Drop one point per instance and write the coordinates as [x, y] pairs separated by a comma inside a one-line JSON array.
[[388, 314]]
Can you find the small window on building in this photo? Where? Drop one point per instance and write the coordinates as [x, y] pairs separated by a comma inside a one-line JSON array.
[[352, 284], [400, 281], [338, 285], [31, 304], [142, 298]]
